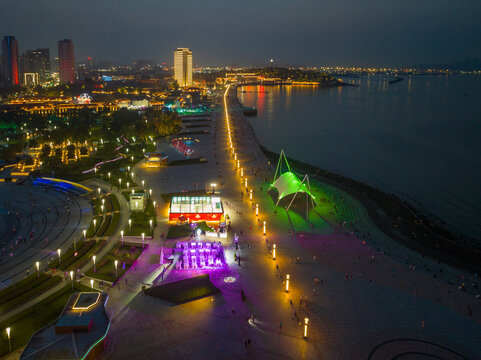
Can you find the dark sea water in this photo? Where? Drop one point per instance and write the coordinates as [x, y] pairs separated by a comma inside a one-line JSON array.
[[419, 138]]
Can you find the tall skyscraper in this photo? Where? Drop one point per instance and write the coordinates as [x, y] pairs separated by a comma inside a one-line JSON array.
[[183, 66], [37, 62], [10, 60], [66, 61]]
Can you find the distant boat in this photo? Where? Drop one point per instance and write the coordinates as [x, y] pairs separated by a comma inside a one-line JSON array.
[[397, 79]]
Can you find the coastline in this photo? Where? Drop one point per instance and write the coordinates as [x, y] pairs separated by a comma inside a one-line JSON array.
[[399, 220]]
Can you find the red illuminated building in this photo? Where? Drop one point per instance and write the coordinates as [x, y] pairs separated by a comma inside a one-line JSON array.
[[66, 61]]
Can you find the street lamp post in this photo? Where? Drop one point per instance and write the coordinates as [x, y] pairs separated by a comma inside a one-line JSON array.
[[71, 278], [95, 224], [242, 172], [154, 205], [102, 207], [143, 182], [9, 342], [150, 192], [93, 258], [274, 252], [92, 284], [287, 282], [245, 182], [250, 194], [59, 258], [128, 184], [98, 190], [213, 187], [108, 174], [37, 265], [264, 227], [130, 224], [306, 321], [122, 236], [120, 183], [143, 240], [116, 262], [257, 209], [85, 234], [150, 221]]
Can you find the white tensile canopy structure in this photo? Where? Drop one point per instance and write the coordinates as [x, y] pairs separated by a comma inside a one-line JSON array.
[[288, 183]]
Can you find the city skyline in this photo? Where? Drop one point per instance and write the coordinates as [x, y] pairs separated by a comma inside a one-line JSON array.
[[346, 33]]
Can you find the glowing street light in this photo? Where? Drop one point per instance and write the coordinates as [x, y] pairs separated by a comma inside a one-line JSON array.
[[120, 183], [92, 284], [154, 204], [132, 174], [37, 265], [242, 172], [143, 240], [102, 207], [264, 227], [9, 342], [128, 168], [130, 224], [235, 156], [85, 234], [95, 224], [150, 221], [71, 278], [150, 192], [287, 282], [122, 236], [93, 258], [257, 209], [132, 158], [238, 163], [59, 258], [128, 184], [108, 174], [143, 182], [306, 321], [98, 190], [103, 201], [116, 262], [213, 187], [250, 194], [245, 182], [274, 252], [132, 191]]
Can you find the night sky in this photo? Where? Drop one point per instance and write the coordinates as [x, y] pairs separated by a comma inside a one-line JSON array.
[[250, 32]]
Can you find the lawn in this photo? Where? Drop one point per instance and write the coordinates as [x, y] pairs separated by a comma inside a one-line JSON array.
[[184, 290], [178, 231], [24, 324], [85, 250], [26, 290], [126, 256]]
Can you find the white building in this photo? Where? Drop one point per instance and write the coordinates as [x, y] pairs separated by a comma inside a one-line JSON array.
[[183, 66]]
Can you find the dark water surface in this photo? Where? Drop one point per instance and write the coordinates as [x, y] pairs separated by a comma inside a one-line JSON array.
[[419, 138]]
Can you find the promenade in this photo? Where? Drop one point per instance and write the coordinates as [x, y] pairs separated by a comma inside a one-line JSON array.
[[366, 305]]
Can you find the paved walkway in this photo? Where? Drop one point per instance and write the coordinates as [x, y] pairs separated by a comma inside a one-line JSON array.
[[349, 319]]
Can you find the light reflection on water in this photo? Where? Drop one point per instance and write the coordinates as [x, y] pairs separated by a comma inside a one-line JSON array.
[[418, 138]]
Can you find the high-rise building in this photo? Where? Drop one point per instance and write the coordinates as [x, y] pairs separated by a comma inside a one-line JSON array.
[[37, 62], [66, 61], [10, 60], [183, 66]]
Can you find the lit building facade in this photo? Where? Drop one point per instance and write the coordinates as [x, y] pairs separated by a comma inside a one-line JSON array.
[[10, 60], [66, 60], [183, 66], [37, 62]]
